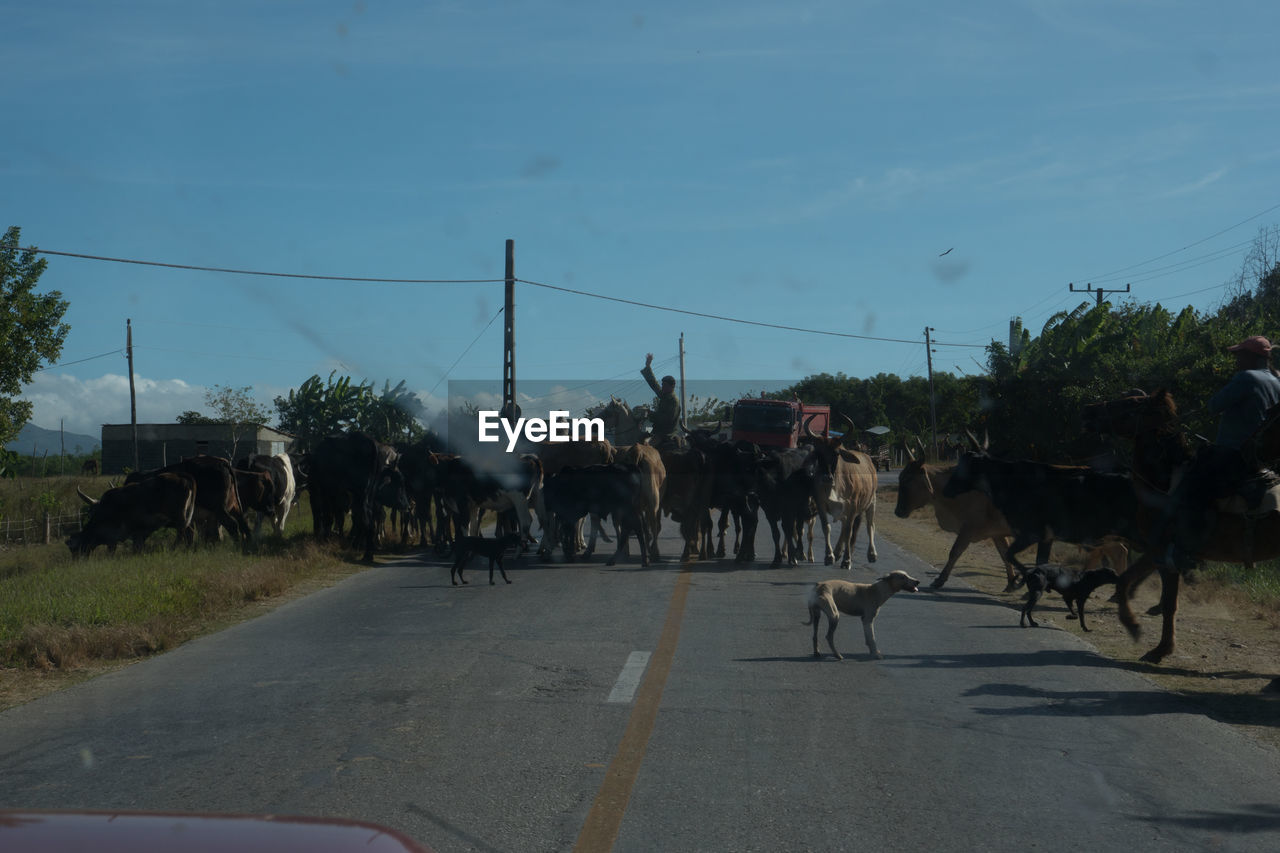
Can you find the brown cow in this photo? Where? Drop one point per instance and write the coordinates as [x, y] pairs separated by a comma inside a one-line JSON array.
[[257, 492], [216, 491], [654, 480], [971, 516], [845, 486]]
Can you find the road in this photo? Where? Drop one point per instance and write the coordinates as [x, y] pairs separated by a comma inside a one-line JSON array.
[[666, 708]]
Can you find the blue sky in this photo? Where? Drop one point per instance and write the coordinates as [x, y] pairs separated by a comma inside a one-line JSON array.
[[802, 164]]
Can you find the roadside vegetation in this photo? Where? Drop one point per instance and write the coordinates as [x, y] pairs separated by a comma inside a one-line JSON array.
[[60, 615]]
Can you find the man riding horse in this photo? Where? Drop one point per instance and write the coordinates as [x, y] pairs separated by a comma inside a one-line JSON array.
[[666, 417], [1225, 467]]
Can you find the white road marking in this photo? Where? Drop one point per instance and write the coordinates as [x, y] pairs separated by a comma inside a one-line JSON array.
[[624, 690]]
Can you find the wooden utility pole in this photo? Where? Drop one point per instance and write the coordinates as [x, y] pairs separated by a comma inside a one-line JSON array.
[[510, 411], [133, 398], [1098, 290], [933, 406]]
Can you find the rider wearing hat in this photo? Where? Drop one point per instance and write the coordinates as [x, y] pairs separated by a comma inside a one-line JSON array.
[[1221, 469]]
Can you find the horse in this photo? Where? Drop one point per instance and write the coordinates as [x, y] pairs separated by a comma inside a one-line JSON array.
[[622, 422], [1161, 451]]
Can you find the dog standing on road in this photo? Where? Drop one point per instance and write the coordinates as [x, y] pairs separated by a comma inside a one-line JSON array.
[[468, 546], [855, 599], [1074, 586]]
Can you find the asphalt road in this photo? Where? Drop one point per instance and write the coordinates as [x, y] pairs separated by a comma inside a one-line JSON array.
[[666, 708]]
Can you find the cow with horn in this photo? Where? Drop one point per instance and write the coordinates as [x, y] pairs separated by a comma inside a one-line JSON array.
[[845, 490]]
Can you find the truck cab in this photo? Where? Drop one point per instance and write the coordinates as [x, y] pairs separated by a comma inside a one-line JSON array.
[[778, 423]]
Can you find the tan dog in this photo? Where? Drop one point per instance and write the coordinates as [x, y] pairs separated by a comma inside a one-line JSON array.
[[856, 599]]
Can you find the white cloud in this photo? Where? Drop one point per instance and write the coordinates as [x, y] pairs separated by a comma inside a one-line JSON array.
[[84, 405]]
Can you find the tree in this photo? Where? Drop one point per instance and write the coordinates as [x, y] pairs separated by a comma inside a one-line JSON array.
[[316, 409], [236, 408], [191, 416], [31, 329]]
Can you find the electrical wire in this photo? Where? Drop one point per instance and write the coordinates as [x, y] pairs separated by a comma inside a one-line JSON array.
[[230, 271], [78, 361], [464, 353]]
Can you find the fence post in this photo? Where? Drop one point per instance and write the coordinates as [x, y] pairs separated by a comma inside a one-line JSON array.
[[48, 533]]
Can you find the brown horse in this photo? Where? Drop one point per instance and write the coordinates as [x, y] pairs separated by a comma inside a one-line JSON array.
[[1160, 450]]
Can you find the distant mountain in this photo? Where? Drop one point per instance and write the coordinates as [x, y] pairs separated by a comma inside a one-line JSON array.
[[42, 439]]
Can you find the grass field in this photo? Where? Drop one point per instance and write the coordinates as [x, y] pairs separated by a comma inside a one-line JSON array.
[[60, 613]]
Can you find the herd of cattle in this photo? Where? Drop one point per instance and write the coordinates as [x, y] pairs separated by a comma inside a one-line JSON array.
[[439, 496]]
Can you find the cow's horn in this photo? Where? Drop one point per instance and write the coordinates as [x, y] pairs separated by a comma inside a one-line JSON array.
[[910, 454], [90, 501], [807, 430], [973, 440], [986, 438]]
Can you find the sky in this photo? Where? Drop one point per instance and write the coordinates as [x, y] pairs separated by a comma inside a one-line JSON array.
[[859, 170]]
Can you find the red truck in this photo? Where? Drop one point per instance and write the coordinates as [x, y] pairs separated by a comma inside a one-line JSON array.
[[778, 423]]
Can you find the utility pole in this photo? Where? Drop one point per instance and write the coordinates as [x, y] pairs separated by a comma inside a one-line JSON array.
[[682, 410], [1098, 290], [133, 397], [933, 407], [510, 411]]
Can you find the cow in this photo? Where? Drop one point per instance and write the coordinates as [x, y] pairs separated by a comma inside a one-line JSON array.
[[970, 515], [492, 482], [845, 489], [284, 487], [617, 490], [257, 492], [687, 498], [216, 492], [135, 511], [1041, 501], [560, 454], [653, 484], [345, 471], [422, 466], [731, 469], [783, 496], [89, 468]]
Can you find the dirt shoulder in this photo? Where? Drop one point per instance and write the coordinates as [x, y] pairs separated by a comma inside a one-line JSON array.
[[1228, 648]]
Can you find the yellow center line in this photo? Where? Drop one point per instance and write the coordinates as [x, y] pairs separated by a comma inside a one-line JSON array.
[[600, 830]]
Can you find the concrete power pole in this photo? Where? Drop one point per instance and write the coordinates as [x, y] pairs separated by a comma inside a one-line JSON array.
[[933, 406], [510, 411]]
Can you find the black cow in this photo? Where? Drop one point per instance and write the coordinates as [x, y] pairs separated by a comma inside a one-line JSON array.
[[614, 490], [784, 485], [1040, 501], [422, 466], [216, 492], [345, 470], [135, 511]]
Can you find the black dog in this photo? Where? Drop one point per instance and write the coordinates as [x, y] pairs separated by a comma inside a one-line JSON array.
[[467, 547], [1074, 586]]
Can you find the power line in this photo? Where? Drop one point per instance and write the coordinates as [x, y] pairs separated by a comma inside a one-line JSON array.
[[1184, 248], [372, 280], [725, 319], [78, 361], [196, 268], [464, 352]]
